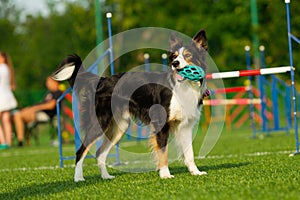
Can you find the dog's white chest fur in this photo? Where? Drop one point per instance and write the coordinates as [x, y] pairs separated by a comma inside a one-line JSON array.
[[184, 103]]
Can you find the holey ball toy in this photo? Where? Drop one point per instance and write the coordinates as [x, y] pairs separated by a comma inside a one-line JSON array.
[[192, 72]]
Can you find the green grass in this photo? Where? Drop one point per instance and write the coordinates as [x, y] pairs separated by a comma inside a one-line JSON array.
[[238, 167]]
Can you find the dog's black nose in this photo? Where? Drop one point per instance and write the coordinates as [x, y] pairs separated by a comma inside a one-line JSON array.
[[175, 63]]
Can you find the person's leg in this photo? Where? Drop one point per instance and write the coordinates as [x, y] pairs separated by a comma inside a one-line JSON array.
[[19, 124], [2, 139], [20, 118], [3, 144], [7, 127]]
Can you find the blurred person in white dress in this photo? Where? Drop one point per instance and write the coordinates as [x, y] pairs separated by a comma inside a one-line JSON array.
[[7, 99]]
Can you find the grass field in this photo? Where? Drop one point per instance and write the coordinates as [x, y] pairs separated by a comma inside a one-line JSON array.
[[238, 167]]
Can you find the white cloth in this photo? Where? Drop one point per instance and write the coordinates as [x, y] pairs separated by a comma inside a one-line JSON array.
[[42, 116], [7, 98]]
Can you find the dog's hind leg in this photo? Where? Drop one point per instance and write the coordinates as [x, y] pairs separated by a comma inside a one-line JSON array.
[[112, 136], [89, 140], [80, 155], [101, 157]]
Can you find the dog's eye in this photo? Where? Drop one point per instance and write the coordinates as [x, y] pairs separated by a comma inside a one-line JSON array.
[[174, 56], [188, 55]]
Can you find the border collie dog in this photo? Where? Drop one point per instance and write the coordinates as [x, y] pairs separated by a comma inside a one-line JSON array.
[[166, 101]]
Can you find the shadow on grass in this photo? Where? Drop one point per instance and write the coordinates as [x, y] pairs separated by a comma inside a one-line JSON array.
[[46, 189], [183, 169]]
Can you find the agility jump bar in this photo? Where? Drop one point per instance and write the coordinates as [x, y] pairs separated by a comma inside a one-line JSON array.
[[254, 72], [215, 102], [231, 90]]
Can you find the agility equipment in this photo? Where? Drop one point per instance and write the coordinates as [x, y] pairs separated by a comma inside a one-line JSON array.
[[220, 75], [243, 101], [232, 89], [93, 69], [236, 107], [294, 38], [251, 72], [277, 88]]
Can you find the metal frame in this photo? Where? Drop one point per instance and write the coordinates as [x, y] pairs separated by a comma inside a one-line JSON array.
[[290, 38], [109, 52]]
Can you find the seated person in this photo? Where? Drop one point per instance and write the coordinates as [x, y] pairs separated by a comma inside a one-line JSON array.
[[43, 111]]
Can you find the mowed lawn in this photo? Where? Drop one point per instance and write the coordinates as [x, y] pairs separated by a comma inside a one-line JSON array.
[[238, 167]]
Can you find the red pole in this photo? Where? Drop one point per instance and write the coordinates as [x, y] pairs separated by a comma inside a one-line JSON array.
[[232, 89], [250, 72]]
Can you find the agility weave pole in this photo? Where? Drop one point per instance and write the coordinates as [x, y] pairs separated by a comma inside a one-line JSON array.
[[290, 38], [279, 88]]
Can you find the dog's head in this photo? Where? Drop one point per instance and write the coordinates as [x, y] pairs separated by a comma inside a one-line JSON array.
[[181, 55]]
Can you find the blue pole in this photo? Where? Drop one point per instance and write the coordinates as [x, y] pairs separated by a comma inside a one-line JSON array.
[[128, 133], [76, 121], [288, 106], [250, 94], [61, 162], [111, 55], [147, 69], [147, 59], [164, 57], [112, 67], [75, 100], [275, 103], [287, 3], [262, 92]]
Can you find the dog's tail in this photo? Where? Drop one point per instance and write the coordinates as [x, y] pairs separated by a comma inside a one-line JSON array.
[[68, 69]]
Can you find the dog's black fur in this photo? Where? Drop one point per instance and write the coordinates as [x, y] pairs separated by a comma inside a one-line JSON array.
[[117, 99]]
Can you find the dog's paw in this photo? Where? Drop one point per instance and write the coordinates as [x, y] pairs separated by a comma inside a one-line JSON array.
[[78, 179], [164, 173], [107, 176], [198, 173], [168, 176], [195, 171]]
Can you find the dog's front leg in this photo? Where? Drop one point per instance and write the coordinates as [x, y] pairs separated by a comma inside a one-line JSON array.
[[164, 171], [184, 136], [190, 163], [160, 145]]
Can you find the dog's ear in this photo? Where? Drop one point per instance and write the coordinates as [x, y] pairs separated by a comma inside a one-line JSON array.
[[68, 69], [64, 72], [200, 40], [174, 43]]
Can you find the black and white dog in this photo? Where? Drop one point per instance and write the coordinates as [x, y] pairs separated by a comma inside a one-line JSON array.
[[166, 101]]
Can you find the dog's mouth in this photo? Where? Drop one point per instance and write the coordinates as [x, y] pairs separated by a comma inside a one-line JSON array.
[[178, 77]]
